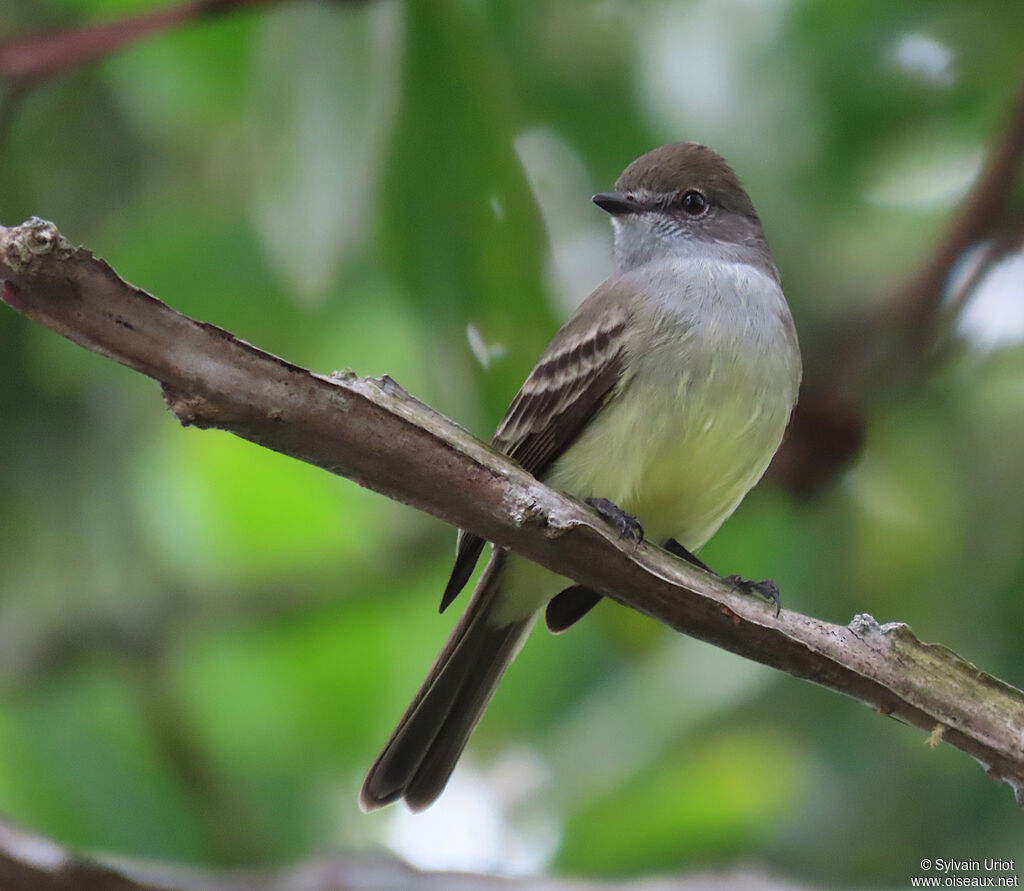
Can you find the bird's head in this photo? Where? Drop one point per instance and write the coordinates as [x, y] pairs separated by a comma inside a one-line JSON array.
[[680, 199]]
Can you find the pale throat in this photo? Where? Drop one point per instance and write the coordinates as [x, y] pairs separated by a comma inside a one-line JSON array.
[[644, 239], [647, 238]]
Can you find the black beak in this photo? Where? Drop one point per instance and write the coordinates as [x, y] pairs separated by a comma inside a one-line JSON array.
[[616, 203]]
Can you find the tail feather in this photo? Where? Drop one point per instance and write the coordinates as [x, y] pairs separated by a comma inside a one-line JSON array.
[[422, 752]]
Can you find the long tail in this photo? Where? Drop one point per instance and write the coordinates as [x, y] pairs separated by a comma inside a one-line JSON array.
[[421, 754]]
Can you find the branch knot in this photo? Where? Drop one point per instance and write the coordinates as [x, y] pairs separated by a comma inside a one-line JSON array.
[[34, 238]]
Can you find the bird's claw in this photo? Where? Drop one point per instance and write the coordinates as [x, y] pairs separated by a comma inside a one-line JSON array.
[[629, 526], [766, 589]]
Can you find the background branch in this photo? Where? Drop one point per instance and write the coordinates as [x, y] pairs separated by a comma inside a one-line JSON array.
[[39, 56], [983, 212], [899, 341], [375, 433], [28, 60], [30, 862]]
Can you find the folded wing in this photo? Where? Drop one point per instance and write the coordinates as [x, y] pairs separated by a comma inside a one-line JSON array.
[[570, 383]]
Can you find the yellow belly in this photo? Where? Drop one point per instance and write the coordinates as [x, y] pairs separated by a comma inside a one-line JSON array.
[[681, 473], [680, 458]]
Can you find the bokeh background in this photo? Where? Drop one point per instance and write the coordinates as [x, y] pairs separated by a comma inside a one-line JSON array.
[[203, 644]]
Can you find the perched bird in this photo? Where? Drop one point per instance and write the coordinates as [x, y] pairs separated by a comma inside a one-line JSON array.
[[661, 401]]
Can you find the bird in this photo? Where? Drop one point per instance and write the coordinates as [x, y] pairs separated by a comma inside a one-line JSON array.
[[661, 402]]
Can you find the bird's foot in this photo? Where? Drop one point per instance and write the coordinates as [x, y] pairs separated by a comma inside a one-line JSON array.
[[766, 589], [629, 526]]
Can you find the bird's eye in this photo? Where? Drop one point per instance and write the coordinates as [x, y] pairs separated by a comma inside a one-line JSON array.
[[693, 203]]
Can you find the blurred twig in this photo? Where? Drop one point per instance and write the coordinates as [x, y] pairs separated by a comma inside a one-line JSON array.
[[378, 435], [26, 61], [39, 56], [982, 215], [1003, 241], [224, 818], [889, 350]]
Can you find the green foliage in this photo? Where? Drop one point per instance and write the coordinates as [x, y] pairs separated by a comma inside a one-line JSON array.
[[714, 802], [202, 644], [460, 226]]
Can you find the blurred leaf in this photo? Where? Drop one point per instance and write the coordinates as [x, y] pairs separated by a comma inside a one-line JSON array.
[[460, 224], [290, 713], [79, 763], [322, 101], [573, 72], [908, 530], [713, 804], [185, 85], [40, 176], [609, 735], [224, 512]]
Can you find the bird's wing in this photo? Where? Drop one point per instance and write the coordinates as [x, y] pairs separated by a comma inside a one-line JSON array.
[[572, 380]]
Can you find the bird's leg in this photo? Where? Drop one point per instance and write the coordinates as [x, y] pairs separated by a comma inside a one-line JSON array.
[[629, 526], [766, 589]]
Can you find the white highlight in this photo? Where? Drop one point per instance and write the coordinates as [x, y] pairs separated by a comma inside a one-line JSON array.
[[926, 58], [467, 828], [580, 258], [923, 173], [483, 352], [33, 849], [711, 71], [994, 317]]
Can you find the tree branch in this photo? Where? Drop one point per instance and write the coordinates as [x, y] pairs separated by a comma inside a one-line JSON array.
[[375, 433]]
